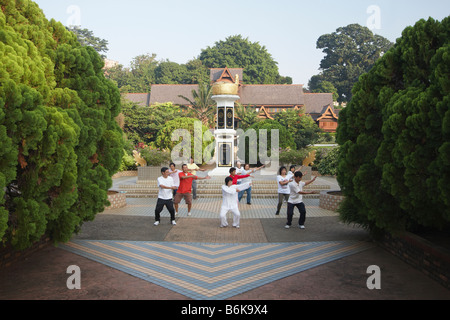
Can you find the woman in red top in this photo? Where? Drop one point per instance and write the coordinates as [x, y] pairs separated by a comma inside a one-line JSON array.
[[236, 177]]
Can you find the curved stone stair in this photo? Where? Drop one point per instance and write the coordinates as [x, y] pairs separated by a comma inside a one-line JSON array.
[[213, 189]]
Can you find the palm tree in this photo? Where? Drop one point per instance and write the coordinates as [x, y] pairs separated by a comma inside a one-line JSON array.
[[203, 106], [246, 115]]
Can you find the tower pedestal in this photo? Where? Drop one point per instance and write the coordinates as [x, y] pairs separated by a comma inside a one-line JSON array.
[[224, 134]]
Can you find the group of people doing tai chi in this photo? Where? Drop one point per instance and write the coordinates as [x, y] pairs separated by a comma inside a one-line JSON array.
[[175, 185]]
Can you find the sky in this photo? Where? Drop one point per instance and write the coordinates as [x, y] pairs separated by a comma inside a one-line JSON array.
[[177, 30]]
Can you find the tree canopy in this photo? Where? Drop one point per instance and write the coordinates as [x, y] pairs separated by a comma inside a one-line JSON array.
[[142, 124], [349, 52], [394, 164], [60, 144], [146, 70], [86, 37], [234, 52], [238, 52], [302, 127]]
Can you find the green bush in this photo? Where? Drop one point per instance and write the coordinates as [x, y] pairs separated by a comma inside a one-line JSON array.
[[394, 166], [128, 162], [155, 157], [328, 165], [289, 156], [189, 128], [59, 141]]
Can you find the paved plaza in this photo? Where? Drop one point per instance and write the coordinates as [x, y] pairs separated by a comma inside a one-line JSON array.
[[122, 256]]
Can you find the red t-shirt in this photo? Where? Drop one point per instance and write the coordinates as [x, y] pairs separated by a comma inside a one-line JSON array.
[[236, 177], [185, 184]]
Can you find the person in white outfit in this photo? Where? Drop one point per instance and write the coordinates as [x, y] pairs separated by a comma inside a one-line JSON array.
[[165, 193], [230, 202]]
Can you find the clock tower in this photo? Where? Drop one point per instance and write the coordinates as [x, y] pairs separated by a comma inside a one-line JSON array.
[[225, 94]]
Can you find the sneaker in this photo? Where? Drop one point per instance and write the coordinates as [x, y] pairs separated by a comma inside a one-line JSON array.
[[301, 227], [174, 223], [156, 223], [277, 213], [287, 226], [176, 213], [237, 227], [249, 204], [189, 214]]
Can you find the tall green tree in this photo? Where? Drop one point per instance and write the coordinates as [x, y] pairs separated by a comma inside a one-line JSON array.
[[238, 52], [142, 72], [394, 165], [168, 72], [86, 37], [349, 52], [60, 144], [323, 86], [146, 70]]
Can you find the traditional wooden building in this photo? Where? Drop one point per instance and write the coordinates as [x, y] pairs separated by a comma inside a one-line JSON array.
[[267, 99]]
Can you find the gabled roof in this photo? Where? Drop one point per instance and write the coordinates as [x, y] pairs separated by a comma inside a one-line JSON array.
[[162, 93], [139, 98], [317, 102], [329, 112], [226, 76], [263, 113], [271, 94], [216, 73]]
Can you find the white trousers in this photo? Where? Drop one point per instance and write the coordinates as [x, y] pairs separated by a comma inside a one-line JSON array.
[[236, 217]]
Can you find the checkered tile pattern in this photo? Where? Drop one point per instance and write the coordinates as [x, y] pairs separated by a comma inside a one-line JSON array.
[[212, 271]]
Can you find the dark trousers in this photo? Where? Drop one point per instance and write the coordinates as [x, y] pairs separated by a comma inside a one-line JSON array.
[[160, 206], [194, 189], [281, 196], [290, 213]]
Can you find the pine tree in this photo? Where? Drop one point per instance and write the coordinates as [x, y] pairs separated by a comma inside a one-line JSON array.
[[395, 157], [60, 144]]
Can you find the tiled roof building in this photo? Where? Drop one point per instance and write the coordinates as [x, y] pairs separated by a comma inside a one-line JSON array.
[[267, 99]]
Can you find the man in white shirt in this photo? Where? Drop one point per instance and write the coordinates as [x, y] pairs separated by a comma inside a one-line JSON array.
[[176, 178], [230, 202], [296, 199], [165, 194]]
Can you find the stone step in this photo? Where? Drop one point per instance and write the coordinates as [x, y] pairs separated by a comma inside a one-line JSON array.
[[219, 187], [254, 196], [208, 192]]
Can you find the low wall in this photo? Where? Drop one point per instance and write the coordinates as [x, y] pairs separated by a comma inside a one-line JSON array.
[[329, 201], [432, 260], [149, 173], [9, 256], [117, 200], [132, 173]]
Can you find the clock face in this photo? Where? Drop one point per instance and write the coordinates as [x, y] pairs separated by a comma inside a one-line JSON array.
[[230, 118], [221, 118]]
